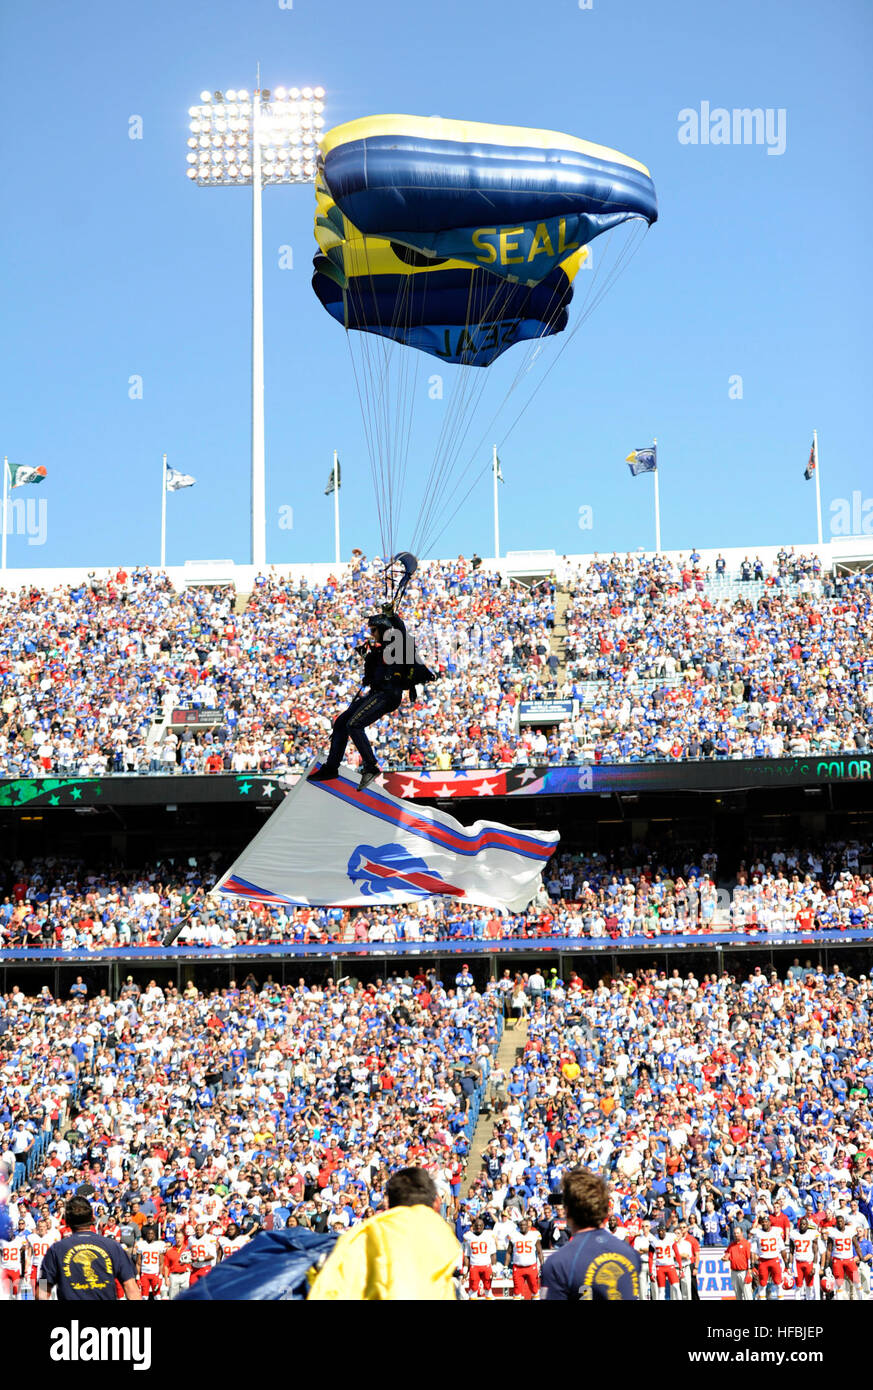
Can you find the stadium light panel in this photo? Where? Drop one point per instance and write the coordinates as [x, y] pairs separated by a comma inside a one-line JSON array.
[[251, 143], [278, 125]]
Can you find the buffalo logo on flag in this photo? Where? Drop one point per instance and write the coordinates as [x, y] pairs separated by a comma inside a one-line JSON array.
[[378, 870], [330, 843]]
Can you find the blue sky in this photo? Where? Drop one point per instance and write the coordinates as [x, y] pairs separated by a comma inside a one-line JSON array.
[[116, 265]]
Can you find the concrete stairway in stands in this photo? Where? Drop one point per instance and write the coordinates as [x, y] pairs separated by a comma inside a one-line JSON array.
[[514, 1037], [557, 644]]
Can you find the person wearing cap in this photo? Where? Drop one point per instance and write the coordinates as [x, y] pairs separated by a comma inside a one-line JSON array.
[[384, 666]]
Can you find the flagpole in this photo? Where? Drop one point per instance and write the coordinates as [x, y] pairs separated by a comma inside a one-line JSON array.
[[657, 506], [817, 484], [336, 528], [164, 513], [5, 504], [496, 507], [259, 486]]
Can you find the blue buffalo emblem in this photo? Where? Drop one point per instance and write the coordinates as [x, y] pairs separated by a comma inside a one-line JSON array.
[[380, 869]]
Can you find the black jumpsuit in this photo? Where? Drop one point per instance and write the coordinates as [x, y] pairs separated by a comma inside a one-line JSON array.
[[384, 695]]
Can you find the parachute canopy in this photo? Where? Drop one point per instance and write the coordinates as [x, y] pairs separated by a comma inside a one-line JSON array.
[[461, 240], [512, 201], [443, 307], [276, 1265]]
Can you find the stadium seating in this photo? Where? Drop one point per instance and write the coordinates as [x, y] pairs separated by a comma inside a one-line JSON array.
[[665, 661], [819, 887]]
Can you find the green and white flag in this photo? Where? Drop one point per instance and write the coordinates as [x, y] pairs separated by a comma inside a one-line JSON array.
[[334, 479], [20, 474], [498, 470]]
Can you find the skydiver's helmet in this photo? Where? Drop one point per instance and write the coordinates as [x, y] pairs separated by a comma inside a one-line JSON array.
[[380, 622]]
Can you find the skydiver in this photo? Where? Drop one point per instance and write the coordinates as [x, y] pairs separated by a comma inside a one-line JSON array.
[[390, 667]]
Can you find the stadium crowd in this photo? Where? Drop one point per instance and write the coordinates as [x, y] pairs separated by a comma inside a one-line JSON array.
[[664, 666], [721, 1110], [207, 1115], [685, 673], [64, 905]]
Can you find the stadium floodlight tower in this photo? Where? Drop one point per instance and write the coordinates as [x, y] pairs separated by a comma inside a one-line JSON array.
[[247, 139]]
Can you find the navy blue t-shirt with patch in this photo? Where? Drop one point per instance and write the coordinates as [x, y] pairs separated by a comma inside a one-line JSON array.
[[85, 1266], [594, 1265]]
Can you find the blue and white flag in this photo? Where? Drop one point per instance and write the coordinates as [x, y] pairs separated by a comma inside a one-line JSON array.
[[643, 460], [177, 480], [331, 844]]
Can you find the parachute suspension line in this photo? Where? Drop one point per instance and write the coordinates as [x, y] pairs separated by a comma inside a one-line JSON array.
[[365, 417], [382, 398], [476, 385], [630, 245], [374, 404], [483, 298], [389, 441], [401, 319], [404, 400], [376, 385], [405, 396], [457, 408], [362, 386], [532, 349]]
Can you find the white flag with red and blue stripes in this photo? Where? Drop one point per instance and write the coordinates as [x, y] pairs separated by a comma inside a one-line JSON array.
[[331, 844]]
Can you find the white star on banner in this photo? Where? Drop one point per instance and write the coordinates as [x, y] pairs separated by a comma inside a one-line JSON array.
[[409, 789], [485, 788], [267, 789]]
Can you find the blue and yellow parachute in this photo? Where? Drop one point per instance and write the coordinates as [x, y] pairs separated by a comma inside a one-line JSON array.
[[512, 201], [460, 240], [442, 306]]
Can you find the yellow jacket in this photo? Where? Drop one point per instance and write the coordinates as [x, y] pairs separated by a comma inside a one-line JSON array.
[[404, 1253]]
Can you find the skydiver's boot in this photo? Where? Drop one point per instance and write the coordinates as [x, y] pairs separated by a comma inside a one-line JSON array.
[[367, 776], [324, 774]]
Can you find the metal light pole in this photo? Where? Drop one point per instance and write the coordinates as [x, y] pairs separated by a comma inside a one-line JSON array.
[[259, 463], [238, 141]]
